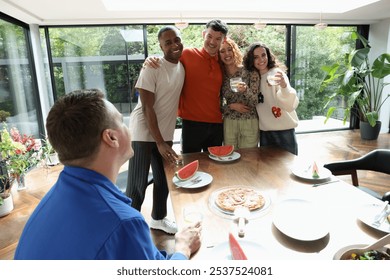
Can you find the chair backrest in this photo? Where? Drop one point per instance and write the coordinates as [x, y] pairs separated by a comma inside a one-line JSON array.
[[377, 160]]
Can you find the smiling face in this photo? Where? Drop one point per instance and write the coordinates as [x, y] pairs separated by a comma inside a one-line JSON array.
[[226, 53], [230, 53], [212, 41], [260, 60], [170, 44]]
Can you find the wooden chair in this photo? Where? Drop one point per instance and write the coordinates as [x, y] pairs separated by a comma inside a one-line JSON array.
[[377, 160]]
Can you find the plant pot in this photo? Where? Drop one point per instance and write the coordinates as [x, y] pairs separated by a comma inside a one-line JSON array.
[[368, 132], [7, 206]]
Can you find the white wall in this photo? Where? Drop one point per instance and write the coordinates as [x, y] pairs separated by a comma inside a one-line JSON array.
[[380, 43]]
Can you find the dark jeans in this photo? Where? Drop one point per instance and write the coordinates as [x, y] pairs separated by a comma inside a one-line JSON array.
[[284, 139], [198, 136]]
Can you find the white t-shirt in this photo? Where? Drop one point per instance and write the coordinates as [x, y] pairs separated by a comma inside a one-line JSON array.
[[166, 83]]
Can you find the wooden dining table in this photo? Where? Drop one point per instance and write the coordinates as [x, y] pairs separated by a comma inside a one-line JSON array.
[[268, 170]]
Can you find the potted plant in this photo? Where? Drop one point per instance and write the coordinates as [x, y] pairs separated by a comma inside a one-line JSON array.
[[6, 201], [19, 153], [360, 84]]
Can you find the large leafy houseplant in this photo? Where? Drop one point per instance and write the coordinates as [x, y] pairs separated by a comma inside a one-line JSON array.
[[359, 82]]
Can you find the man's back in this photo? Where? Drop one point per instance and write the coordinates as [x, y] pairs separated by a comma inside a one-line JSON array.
[[85, 219]]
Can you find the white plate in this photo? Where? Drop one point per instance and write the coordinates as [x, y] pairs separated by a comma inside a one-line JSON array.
[[300, 219], [367, 215], [206, 179], [252, 250], [229, 214], [306, 172], [232, 157]]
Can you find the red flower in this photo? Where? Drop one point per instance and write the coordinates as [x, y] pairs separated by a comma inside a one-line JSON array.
[[28, 141], [15, 135]]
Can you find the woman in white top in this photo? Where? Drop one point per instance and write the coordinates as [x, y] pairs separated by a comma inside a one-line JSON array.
[[277, 100]]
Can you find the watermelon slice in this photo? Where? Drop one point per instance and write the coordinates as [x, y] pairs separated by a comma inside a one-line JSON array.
[[315, 171], [187, 171], [235, 249], [221, 151]]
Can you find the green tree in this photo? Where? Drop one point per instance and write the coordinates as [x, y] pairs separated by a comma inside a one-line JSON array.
[[315, 48]]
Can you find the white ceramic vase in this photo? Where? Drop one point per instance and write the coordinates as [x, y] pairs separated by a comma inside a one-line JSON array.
[[7, 206]]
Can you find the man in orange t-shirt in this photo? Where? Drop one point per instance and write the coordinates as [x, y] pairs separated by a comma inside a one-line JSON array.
[[199, 105]]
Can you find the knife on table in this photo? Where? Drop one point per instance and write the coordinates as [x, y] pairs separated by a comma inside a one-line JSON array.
[[235, 249]]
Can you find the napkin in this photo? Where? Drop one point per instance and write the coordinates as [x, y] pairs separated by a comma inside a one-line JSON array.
[[235, 249]]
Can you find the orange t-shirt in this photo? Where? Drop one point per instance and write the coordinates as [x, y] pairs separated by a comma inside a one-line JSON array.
[[200, 96]]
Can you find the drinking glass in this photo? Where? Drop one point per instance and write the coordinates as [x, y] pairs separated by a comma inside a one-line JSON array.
[[234, 83], [179, 160], [271, 79], [191, 214]]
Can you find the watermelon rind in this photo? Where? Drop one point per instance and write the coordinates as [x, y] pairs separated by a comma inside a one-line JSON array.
[[188, 171], [221, 151]]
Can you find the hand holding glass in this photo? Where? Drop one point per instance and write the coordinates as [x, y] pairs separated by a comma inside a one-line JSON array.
[[272, 79], [234, 83], [179, 160]]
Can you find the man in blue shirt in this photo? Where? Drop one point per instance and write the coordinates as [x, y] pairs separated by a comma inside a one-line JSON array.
[[85, 215]]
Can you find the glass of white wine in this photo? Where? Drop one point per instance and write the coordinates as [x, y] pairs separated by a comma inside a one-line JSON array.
[[271, 78], [234, 83], [191, 214]]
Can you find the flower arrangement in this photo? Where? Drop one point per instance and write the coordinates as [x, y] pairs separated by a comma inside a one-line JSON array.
[[19, 152]]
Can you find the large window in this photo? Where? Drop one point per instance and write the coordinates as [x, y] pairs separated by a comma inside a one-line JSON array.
[[311, 49], [304, 50], [110, 58], [18, 94]]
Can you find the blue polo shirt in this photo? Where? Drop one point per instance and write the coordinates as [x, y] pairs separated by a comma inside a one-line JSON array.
[[86, 216]]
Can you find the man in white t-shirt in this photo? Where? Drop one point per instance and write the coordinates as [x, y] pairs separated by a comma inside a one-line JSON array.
[[152, 125]]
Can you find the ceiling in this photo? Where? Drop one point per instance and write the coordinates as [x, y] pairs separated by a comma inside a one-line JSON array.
[[74, 12]]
